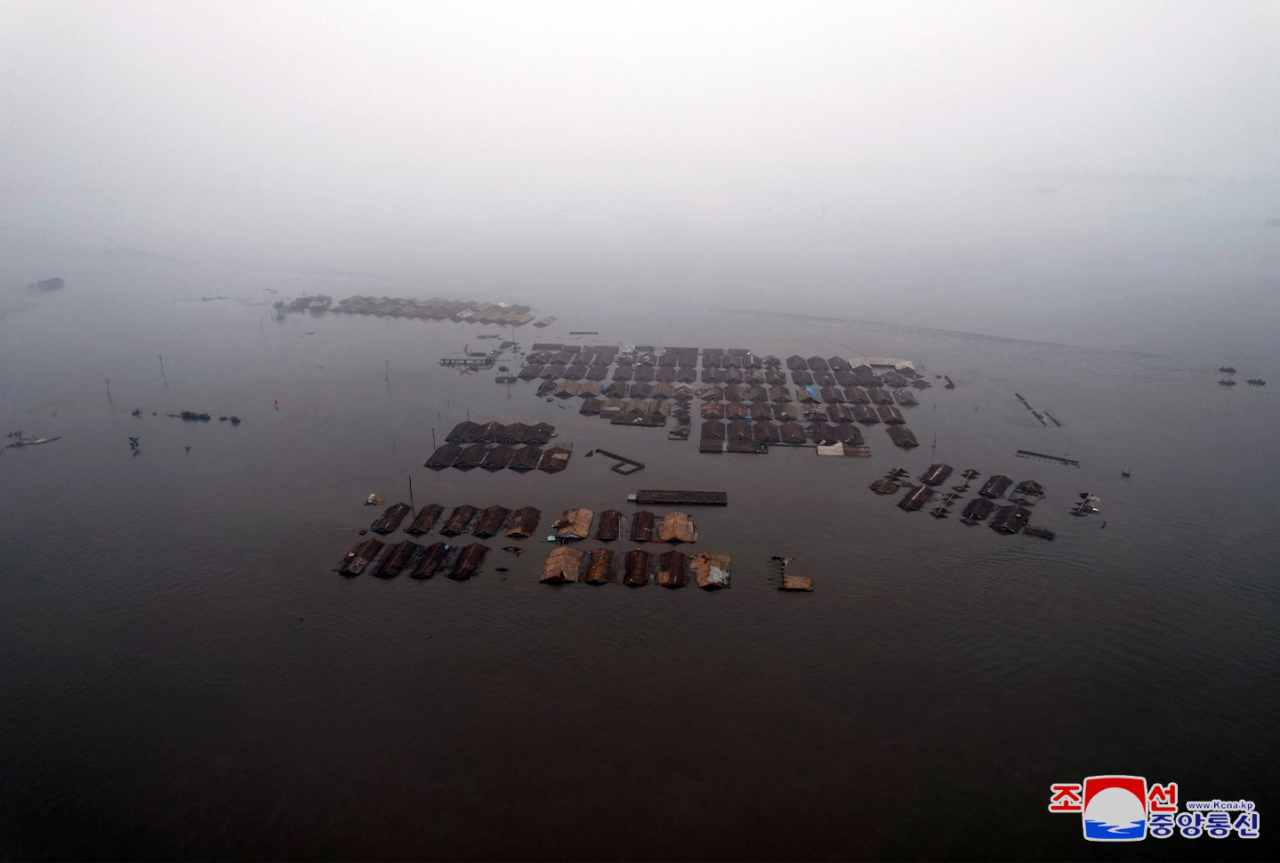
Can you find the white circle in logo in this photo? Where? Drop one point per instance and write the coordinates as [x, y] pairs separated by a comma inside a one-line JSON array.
[[1115, 807]]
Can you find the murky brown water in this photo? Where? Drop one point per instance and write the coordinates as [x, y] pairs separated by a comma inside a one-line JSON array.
[[186, 677]]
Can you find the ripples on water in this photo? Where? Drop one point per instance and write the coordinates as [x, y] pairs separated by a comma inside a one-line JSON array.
[[185, 676]]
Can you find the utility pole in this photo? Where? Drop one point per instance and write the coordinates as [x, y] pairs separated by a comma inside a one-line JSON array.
[[433, 440], [166, 380], [388, 362], [412, 507]]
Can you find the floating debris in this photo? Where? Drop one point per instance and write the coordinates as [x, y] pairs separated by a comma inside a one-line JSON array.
[[36, 441], [1041, 532]]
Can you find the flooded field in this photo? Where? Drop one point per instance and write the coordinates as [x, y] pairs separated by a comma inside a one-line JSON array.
[[187, 675]]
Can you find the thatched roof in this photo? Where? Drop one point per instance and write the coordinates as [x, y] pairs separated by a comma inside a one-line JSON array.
[[575, 523], [637, 568], [562, 566], [673, 569], [600, 567], [711, 570], [642, 523], [524, 522], [677, 527]]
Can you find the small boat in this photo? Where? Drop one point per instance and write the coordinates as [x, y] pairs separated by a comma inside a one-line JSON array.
[[1227, 383], [1256, 382], [1230, 370]]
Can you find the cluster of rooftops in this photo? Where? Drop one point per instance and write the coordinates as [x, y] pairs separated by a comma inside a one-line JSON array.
[[1007, 519], [438, 308], [826, 390], [494, 446], [680, 365], [564, 563]]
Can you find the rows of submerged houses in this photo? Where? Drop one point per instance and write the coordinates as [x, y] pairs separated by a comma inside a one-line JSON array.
[[494, 446], [564, 564], [869, 406], [680, 365], [644, 385], [438, 309], [1010, 518]]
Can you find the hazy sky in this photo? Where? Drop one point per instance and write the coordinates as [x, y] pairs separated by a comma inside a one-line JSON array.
[[849, 146]]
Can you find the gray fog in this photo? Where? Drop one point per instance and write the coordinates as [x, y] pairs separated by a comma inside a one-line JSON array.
[[1097, 174]]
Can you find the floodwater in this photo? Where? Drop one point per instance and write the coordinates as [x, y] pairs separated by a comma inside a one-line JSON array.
[[185, 675]]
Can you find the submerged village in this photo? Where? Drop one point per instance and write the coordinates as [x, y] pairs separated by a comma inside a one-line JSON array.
[[728, 402]]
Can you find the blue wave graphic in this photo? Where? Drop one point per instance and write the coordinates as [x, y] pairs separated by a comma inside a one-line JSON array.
[[1117, 832]]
